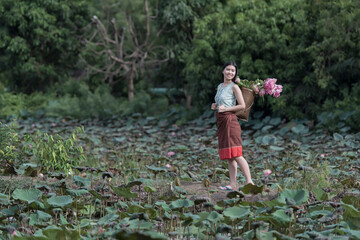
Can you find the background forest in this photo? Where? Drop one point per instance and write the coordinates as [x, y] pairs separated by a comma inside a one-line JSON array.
[[84, 59]]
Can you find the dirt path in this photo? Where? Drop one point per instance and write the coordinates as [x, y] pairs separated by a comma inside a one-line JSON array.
[[216, 195]]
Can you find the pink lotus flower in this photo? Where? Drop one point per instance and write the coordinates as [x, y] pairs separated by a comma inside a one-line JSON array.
[[267, 172], [173, 134], [169, 154], [270, 85], [277, 90], [54, 124], [322, 155], [168, 165], [30, 146], [41, 175]]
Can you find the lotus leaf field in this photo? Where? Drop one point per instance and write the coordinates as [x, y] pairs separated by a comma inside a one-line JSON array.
[[146, 178]]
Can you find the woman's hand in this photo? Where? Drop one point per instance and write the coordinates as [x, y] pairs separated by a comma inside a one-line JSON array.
[[213, 106], [221, 108]]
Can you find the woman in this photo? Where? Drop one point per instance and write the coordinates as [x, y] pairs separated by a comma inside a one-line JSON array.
[[228, 100]]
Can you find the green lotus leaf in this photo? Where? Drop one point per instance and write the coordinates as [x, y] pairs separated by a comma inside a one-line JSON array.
[[320, 194], [351, 215], [157, 169], [355, 234], [300, 129], [77, 192], [269, 140], [190, 216], [179, 148], [140, 216], [237, 212], [4, 199], [135, 208], [215, 217], [40, 218], [63, 220], [54, 232], [144, 225], [338, 137], [298, 196], [108, 218], [149, 189], [28, 196], [82, 182], [134, 183], [123, 192], [276, 148], [97, 195], [181, 203], [146, 235], [163, 205], [59, 201], [280, 218], [252, 189]]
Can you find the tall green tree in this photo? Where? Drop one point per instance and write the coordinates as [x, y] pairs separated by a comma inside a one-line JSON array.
[[39, 42], [310, 46], [181, 16]]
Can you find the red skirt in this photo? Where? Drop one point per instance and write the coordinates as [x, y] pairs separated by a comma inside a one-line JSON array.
[[229, 135]]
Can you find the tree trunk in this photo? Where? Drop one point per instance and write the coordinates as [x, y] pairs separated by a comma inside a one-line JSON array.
[[131, 85]]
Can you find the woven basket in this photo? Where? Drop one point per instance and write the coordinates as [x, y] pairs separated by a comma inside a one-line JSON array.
[[249, 96]]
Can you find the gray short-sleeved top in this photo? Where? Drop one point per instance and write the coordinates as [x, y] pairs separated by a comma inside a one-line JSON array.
[[225, 96]]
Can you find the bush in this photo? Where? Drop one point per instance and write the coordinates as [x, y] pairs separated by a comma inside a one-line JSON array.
[[54, 152], [75, 100], [9, 142]]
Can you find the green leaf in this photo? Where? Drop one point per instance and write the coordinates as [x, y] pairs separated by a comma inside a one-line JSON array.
[[40, 218], [97, 195], [147, 235], [237, 212], [123, 192], [298, 196], [77, 192], [351, 214], [181, 203], [29, 196], [252, 189], [149, 189], [276, 148], [338, 137], [215, 217], [320, 194], [300, 129], [281, 218], [59, 201], [108, 219]]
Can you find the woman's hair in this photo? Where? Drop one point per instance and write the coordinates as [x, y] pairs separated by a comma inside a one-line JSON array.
[[227, 64]]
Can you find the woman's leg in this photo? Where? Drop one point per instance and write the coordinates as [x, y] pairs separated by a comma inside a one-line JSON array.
[[232, 173], [244, 168]]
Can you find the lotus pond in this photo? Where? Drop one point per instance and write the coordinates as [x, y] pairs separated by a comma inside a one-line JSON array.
[[144, 178]]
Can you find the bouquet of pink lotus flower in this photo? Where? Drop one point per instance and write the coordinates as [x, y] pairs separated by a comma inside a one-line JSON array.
[[260, 87]]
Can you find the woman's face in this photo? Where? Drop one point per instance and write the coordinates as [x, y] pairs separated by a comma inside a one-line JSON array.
[[229, 72]]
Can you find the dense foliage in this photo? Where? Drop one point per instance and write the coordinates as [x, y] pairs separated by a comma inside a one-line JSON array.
[[39, 41], [147, 179], [311, 47]]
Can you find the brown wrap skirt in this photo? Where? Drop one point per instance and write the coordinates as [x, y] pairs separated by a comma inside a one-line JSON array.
[[229, 135]]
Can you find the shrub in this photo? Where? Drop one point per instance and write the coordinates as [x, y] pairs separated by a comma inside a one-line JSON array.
[[56, 153], [9, 142]]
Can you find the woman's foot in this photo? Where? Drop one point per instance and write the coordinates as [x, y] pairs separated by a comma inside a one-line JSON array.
[[226, 188]]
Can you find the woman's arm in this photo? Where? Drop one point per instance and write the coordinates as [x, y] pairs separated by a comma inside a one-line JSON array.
[[240, 101]]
